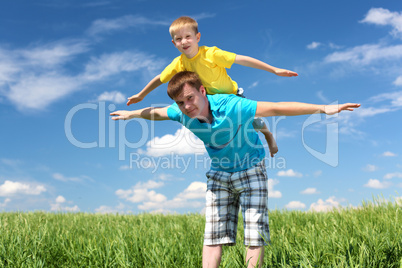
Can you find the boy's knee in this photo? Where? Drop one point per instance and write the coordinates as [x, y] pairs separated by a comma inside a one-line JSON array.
[[258, 123]]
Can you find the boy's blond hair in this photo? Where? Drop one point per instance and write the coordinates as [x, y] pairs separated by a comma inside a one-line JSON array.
[[182, 22]]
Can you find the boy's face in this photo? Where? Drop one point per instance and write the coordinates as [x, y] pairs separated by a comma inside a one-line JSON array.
[[186, 41], [192, 102]]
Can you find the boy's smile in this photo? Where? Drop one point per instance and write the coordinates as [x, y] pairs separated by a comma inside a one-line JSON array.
[[186, 41]]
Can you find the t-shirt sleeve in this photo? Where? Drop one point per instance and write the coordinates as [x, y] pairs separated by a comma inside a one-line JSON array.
[[174, 113], [222, 58], [173, 68], [244, 107]]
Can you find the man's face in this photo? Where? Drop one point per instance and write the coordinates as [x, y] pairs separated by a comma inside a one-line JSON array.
[[186, 41], [193, 103]]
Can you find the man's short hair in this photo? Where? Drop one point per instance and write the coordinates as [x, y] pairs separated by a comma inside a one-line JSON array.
[[183, 22], [176, 84]]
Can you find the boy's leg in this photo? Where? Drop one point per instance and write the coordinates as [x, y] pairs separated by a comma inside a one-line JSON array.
[[259, 125], [255, 255], [211, 256]]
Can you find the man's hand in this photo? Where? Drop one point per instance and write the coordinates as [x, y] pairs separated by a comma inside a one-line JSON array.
[[122, 115], [333, 109], [134, 99], [285, 73]]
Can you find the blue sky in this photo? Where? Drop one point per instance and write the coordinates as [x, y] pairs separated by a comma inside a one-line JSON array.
[[65, 65]]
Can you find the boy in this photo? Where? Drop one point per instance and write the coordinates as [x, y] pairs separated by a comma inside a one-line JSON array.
[[210, 64]]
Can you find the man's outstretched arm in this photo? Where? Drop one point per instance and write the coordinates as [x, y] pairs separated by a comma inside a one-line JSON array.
[[298, 108], [150, 113]]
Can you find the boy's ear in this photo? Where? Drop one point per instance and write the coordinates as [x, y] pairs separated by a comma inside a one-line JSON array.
[[198, 36], [173, 42]]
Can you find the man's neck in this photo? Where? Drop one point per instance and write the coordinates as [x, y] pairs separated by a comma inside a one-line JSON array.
[[206, 119]]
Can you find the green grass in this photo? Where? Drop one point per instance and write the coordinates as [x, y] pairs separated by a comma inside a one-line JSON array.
[[370, 236]]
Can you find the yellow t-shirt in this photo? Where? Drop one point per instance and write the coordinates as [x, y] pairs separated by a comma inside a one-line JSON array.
[[210, 64]]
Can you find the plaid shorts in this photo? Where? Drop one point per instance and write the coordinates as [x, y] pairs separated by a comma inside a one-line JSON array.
[[226, 192]]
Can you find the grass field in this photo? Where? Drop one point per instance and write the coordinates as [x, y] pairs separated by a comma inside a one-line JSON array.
[[370, 236]]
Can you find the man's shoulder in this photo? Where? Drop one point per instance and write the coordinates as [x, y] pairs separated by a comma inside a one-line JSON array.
[[219, 100]]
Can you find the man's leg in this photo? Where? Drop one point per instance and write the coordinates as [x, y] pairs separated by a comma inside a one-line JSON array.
[[255, 255], [211, 256]]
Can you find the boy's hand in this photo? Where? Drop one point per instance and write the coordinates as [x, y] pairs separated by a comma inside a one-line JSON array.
[[285, 73], [134, 99]]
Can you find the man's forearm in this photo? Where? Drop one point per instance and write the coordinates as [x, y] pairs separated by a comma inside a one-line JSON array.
[[298, 108], [150, 113], [287, 108]]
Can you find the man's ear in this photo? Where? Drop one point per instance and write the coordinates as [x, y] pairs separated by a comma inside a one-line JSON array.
[[203, 90]]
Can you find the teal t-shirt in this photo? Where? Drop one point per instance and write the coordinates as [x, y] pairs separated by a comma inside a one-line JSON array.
[[230, 140]]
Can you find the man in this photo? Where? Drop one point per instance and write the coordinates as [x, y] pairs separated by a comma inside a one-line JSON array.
[[237, 177]]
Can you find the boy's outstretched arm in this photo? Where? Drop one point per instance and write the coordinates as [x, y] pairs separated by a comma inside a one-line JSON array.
[[298, 108], [154, 83], [257, 64], [150, 113]]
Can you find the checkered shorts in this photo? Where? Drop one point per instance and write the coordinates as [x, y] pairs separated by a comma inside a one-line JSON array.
[[226, 192]]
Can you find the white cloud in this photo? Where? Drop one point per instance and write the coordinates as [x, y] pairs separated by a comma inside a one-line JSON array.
[[39, 73], [389, 154], [40, 89], [4, 204], [10, 188], [141, 193], [271, 192], [59, 207], [104, 26], [313, 45], [370, 168], [253, 85], [106, 65], [371, 111], [321, 96], [181, 143], [61, 177], [196, 190], [376, 184], [112, 96], [310, 191], [366, 54], [327, 205], [107, 209], [289, 173], [317, 173], [389, 176], [398, 81], [295, 205], [152, 201], [60, 199], [395, 98], [110, 25], [381, 16]]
